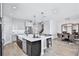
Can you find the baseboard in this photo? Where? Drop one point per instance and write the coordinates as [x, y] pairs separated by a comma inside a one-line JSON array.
[[5, 43]]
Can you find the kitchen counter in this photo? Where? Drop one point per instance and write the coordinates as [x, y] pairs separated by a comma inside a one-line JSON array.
[[31, 39], [23, 37]]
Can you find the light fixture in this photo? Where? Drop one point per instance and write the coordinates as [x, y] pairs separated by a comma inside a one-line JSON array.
[[14, 7], [54, 10]]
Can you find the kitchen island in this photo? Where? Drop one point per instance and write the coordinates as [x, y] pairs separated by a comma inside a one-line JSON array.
[[32, 46]]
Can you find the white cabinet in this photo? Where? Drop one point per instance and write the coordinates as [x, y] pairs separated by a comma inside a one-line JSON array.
[[24, 46]]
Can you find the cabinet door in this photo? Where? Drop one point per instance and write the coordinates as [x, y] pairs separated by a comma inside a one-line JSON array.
[[34, 48], [29, 50], [24, 46], [19, 42]]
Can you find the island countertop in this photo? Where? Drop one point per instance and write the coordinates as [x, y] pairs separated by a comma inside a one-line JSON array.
[[23, 37], [30, 37]]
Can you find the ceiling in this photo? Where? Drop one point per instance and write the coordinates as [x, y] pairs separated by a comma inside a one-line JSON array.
[[51, 10]]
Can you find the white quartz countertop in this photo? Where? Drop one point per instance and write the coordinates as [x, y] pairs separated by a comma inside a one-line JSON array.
[[21, 36], [30, 37]]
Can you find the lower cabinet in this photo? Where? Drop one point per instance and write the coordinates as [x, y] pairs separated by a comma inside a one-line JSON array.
[[34, 48], [19, 42], [30, 48]]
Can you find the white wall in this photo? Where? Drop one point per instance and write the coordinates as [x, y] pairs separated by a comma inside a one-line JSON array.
[[7, 30], [46, 27], [17, 24], [53, 28]]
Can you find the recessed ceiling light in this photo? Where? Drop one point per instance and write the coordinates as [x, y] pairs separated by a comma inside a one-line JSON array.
[[14, 7], [54, 11]]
